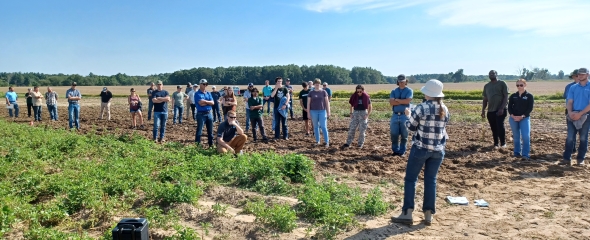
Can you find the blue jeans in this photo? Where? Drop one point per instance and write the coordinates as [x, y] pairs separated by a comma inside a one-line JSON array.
[[521, 129], [207, 119], [247, 119], [279, 121], [178, 110], [15, 106], [74, 115], [37, 113], [160, 119], [150, 107], [52, 111], [570, 141], [431, 161], [397, 127], [216, 113], [319, 120], [264, 102], [291, 106]]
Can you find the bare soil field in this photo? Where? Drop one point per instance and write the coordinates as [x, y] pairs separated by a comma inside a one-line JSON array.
[[537, 88], [533, 199]]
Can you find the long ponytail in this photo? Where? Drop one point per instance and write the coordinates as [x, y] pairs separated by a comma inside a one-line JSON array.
[[441, 110]]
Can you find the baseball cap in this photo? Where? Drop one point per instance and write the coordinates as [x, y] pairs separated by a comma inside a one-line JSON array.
[[575, 72], [583, 71], [178, 86], [203, 81], [250, 84], [213, 87], [401, 77], [159, 83], [288, 79], [74, 84], [195, 85], [104, 89]]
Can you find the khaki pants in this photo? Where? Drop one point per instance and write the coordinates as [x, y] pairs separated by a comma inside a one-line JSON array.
[[237, 143], [106, 106]]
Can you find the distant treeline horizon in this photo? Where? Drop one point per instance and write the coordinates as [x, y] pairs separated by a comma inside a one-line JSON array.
[[257, 75]]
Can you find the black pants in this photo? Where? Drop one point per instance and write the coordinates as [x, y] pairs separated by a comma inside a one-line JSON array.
[[29, 107], [497, 126], [193, 112], [260, 123]]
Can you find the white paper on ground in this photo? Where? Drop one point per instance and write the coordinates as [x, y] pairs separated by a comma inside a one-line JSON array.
[[458, 200], [481, 203]]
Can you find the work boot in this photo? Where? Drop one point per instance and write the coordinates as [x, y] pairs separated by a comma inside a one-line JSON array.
[[427, 217], [404, 217]]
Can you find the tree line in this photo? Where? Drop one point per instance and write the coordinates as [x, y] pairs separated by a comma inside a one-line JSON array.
[[242, 75]]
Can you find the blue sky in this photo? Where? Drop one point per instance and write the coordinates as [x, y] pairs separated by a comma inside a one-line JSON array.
[[394, 36]]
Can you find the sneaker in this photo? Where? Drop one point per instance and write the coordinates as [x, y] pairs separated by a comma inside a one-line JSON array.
[[307, 134], [327, 145], [563, 162], [141, 127], [155, 140], [581, 163], [405, 218], [360, 146], [503, 146], [317, 143], [526, 158], [345, 146]]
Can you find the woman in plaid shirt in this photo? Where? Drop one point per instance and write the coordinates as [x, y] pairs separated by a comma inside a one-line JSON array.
[[428, 121]]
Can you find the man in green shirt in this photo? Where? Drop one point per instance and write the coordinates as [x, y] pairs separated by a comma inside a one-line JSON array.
[[495, 98], [178, 104], [256, 105]]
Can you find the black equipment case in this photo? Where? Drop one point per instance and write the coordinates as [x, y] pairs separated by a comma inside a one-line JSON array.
[[131, 229]]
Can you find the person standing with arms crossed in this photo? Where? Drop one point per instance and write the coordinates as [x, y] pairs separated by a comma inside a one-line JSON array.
[[37, 102], [191, 97], [29, 98], [256, 110], [399, 100], [51, 100], [578, 106], [303, 94], [204, 101], [178, 104], [247, 95], [150, 90], [11, 98], [74, 96], [216, 112], [495, 98], [160, 98]]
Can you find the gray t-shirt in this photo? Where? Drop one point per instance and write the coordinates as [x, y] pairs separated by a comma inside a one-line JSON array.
[[495, 92], [179, 98], [247, 95], [318, 100]]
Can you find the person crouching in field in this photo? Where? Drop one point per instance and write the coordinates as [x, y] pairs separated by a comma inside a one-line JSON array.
[[134, 109], [360, 110], [520, 106], [230, 136], [256, 105], [428, 120]]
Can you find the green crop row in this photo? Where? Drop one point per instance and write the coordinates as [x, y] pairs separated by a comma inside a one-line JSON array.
[[56, 185]]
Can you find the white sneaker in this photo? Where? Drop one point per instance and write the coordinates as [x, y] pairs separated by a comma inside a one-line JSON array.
[[241, 152], [327, 145]]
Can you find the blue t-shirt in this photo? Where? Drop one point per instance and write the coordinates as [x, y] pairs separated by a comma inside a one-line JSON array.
[[581, 96], [567, 88], [11, 96], [73, 93], [163, 106], [401, 94], [202, 96], [216, 96]]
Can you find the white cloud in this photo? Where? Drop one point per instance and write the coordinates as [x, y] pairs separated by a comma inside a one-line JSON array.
[[545, 17]]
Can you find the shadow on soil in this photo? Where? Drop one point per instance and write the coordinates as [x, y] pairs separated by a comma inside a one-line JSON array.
[[386, 231]]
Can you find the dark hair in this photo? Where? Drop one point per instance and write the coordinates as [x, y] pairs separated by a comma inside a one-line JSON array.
[[254, 89], [277, 79], [360, 87], [133, 89], [304, 84]]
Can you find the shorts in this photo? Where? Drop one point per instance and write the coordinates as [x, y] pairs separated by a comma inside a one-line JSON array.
[[304, 113], [134, 111]]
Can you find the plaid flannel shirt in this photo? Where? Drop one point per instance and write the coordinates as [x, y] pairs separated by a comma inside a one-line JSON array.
[[430, 132], [51, 98]]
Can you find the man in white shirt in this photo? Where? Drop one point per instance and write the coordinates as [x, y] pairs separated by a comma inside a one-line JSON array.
[[191, 97]]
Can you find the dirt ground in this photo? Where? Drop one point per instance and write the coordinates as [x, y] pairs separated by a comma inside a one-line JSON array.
[[533, 199]]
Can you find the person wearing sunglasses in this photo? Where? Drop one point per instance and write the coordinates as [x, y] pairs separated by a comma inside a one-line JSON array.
[[574, 76], [133, 100], [360, 110], [520, 106], [578, 123], [204, 104], [160, 98], [230, 136]]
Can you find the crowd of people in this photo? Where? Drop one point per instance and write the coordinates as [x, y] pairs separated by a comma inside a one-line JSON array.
[[426, 120]]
